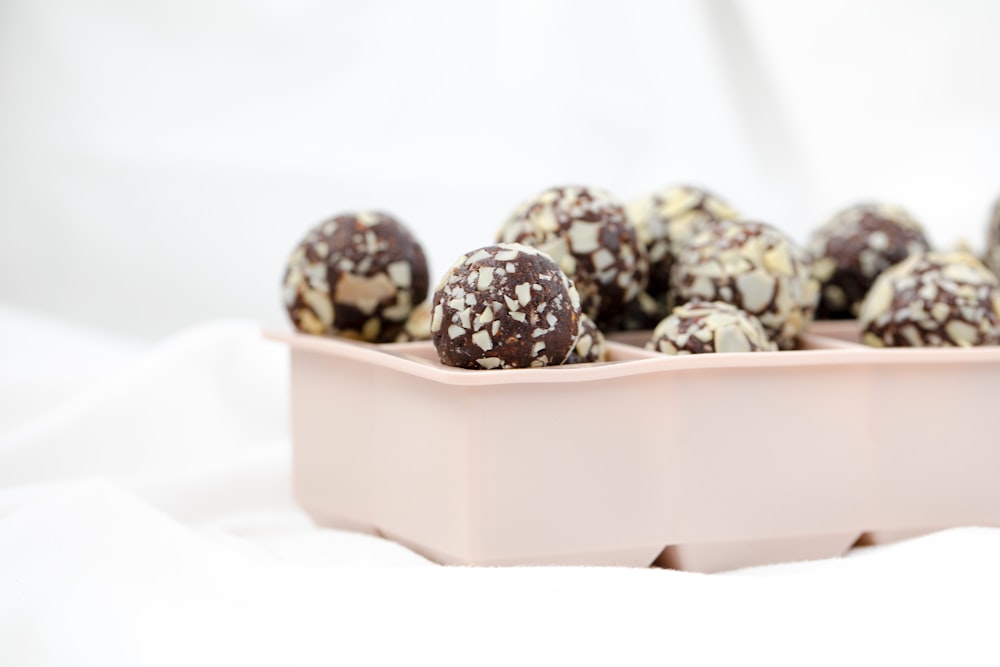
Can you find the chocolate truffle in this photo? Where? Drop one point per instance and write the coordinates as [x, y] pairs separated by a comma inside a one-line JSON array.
[[756, 268], [993, 241], [856, 245], [356, 276], [505, 306], [698, 327], [586, 232], [938, 299], [590, 344], [665, 219]]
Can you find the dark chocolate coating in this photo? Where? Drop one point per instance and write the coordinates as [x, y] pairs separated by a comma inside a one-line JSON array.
[[854, 247], [357, 276], [505, 306], [642, 312], [756, 268], [664, 221], [938, 299], [587, 233], [701, 327]]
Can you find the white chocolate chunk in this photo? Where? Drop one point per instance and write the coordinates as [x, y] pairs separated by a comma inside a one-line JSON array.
[[437, 318], [485, 278], [940, 311], [961, 333], [483, 340], [523, 292], [309, 323], [878, 240], [584, 236], [371, 328], [320, 304], [507, 254], [731, 339], [400, 273], [363, 292], [779, 261], [757, 290], [477, 256], [545, 219], [603, 259]]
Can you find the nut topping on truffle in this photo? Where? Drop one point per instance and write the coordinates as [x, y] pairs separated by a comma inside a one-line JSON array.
[[356, 276], [586, 231], [756, 268], [855, 246], [939, 299], [666, 219], [590, 345], [993, 241], [505, 306], [699, 327]]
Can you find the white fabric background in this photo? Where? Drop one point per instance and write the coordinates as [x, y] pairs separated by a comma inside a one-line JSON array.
[[158, 160], [148, 521]]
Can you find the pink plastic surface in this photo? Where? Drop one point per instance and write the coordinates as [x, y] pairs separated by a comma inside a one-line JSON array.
[[704, 463]]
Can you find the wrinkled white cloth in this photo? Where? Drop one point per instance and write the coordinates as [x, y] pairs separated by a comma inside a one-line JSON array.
[[149, 521]]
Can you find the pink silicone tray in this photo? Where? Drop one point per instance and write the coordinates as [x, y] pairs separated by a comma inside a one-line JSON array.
[[706, 462]]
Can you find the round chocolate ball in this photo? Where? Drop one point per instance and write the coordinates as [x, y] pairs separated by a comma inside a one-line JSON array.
[[505, 306], [993, 241], [356, 276], [665, 219], [590, 344], [938, 299], [587, 233], [756, 268], [856, 245], [699, 327]]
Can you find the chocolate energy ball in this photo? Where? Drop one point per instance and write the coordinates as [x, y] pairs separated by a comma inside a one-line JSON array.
[[993, 241], [756, 268], [590, 344], [665, 219], [699, 327], [588, 234], [505, 306], [939, 299], [856, 245], [356, 276]]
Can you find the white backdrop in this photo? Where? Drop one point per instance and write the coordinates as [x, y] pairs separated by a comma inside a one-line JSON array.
[[159, 159]]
